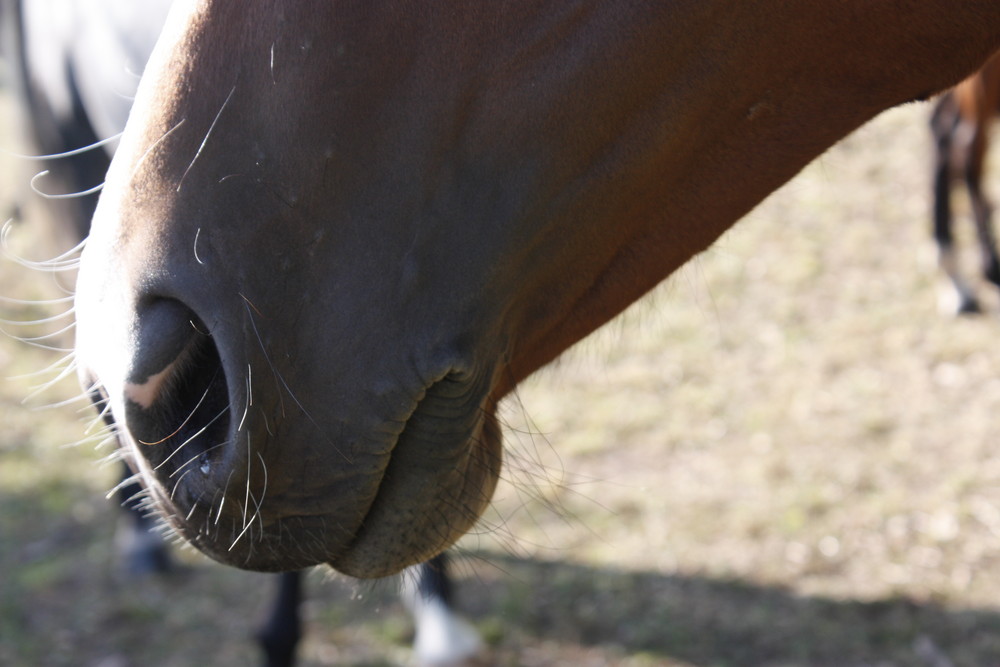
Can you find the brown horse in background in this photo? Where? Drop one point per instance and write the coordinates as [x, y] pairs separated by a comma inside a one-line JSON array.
[[337, 234], [961, 127]]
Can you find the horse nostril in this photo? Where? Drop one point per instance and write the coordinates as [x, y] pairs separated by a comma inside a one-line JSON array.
[[176, 395], [164, 331]]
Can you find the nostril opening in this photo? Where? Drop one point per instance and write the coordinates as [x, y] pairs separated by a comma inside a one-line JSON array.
[[177, 401], [163, 329]]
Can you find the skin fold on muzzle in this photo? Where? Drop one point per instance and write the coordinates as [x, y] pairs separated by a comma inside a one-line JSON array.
[[336, 234]]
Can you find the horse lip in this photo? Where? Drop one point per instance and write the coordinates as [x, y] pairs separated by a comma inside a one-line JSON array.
[[420, 484]]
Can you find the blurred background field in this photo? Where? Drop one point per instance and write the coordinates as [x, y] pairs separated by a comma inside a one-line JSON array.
[[784, 456]]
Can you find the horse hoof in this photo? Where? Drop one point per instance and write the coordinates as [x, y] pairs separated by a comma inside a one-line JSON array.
[[443, 639], [969, 306], [952, 302]]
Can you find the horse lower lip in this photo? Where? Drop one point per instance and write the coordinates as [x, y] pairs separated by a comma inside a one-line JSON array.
[[409, 471], [440, 476]]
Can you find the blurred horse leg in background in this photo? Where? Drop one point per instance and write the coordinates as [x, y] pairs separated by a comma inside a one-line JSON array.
[[442, 638], [960, 124], [139, 543]]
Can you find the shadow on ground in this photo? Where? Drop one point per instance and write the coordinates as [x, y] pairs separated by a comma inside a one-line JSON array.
[[711, 622], [63, 603]]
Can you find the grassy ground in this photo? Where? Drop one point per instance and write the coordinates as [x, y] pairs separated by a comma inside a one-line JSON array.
[[785, 456]]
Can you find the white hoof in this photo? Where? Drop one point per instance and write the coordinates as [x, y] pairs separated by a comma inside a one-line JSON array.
[[443, 639]]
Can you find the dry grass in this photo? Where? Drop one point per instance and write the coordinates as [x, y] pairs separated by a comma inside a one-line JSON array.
[[782, 457]]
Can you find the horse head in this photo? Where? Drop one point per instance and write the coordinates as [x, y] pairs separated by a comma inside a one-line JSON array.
[[336, 235]]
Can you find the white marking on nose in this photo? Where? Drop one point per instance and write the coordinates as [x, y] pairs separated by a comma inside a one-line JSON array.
[[145, 394]]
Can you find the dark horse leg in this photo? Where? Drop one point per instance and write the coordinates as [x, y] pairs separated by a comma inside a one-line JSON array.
[[281, 631], [961, 124], [981, 209], [441, 637], [142, 547], [945, 123]]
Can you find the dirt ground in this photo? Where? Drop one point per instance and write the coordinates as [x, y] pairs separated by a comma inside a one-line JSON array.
[[784, 456]]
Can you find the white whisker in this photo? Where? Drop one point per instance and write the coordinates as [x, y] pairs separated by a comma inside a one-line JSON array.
[[186, 419], [194, 458], [246, 500], [273, 81], [263, 492], [246, 409], [35, 339], [71, 195], [196, 257], [280, 379], [121, 485], [205, 140], [153, 146], [57, 156], [192, 437], [67, 372], [223, 501], [66, 402], [67, 261], [36, 302], [173, 490], [99, 420], [57, 365], [40, 346], [41, 320]]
